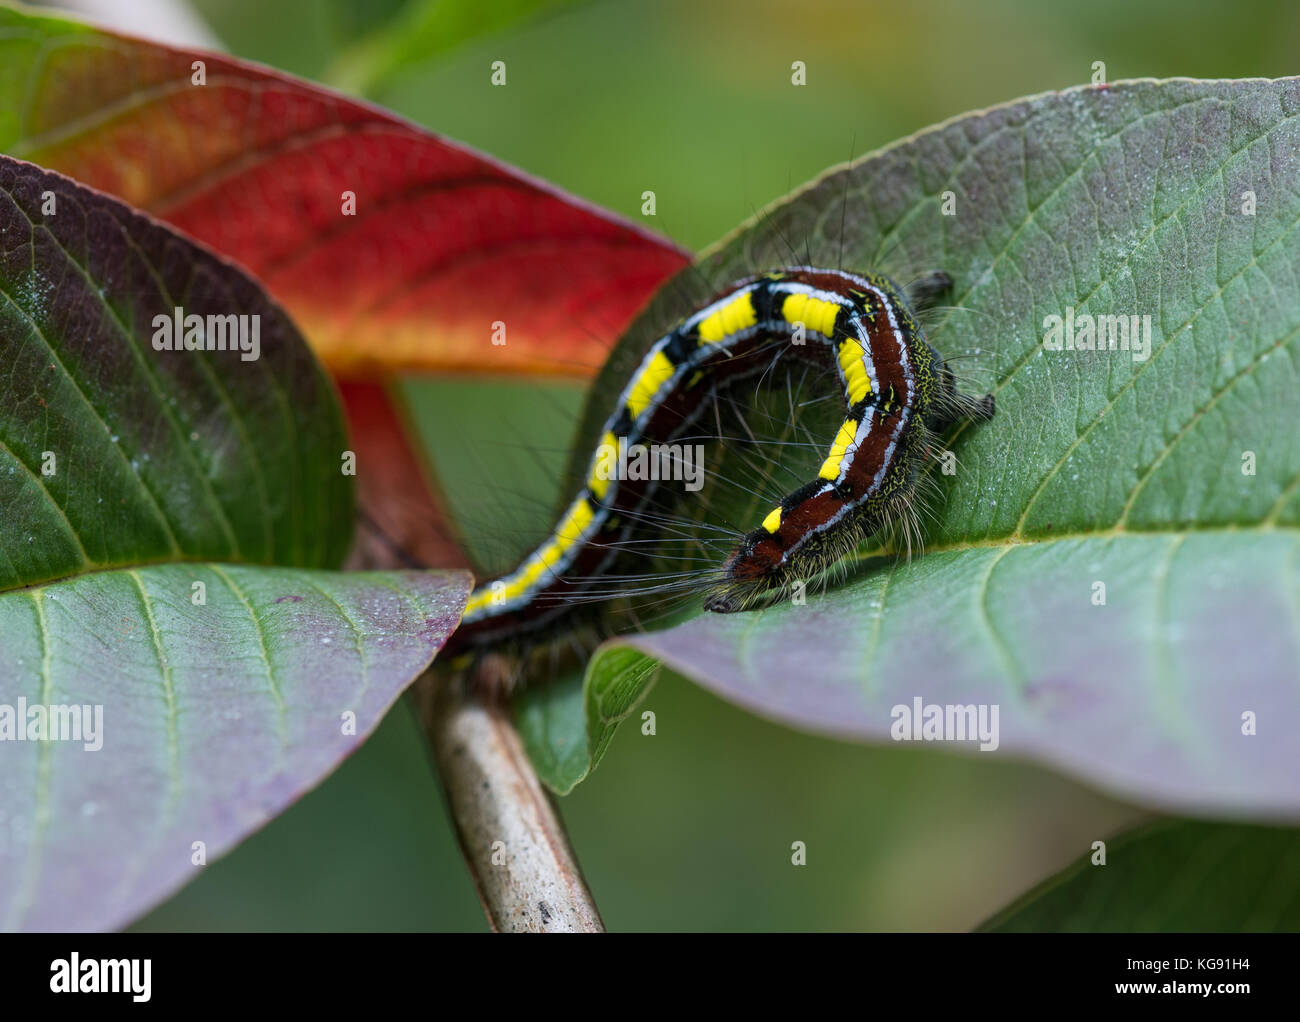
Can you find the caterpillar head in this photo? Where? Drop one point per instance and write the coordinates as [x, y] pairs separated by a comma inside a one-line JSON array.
[[753, 570]]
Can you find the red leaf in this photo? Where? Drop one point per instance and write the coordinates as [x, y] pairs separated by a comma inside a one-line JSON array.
[[445, 242]]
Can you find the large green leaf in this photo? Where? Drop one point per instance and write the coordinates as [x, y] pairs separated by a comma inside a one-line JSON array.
[[212, 717], [214, 694], [1172, 876], [1174, 479], [114, 453]]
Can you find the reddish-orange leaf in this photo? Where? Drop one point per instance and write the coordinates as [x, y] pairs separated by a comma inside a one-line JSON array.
[[445, 243]]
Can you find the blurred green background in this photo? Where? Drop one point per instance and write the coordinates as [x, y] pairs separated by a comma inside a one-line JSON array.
[[692, 828]]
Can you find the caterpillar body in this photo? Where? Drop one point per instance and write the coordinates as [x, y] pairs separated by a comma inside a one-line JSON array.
[[898, 394]]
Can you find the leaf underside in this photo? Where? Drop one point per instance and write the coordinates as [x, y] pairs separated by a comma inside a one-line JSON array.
[[214, 718]]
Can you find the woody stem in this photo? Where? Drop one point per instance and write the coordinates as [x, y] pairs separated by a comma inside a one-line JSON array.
[[510, 832]]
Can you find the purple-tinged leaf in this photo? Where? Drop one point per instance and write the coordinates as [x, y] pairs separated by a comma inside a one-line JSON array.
[[206, 719]]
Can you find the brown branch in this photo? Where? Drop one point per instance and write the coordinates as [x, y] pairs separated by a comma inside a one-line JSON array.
[[510, 832]]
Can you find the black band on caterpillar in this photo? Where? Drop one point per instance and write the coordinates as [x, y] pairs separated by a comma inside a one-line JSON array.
[[896, 389]]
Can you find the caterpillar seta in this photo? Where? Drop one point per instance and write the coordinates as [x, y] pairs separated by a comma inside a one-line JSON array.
[[898, 394]]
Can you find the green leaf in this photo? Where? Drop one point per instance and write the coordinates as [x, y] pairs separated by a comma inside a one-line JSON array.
[[546, 715], [1173, 479], [153, 714], [1171, 877]]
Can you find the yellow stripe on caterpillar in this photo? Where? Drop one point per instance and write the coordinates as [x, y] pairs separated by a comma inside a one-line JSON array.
[[815, 314], [773, 521], [649, 382], [548, 555], [604, 466], [524, 580], [735, 316], [478, 601], [575, 523], [843, 441], [855, 371]]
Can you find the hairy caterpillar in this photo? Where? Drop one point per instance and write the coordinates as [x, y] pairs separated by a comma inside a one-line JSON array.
[[898, 393]]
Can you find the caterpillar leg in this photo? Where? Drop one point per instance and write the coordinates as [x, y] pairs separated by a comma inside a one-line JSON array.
[[950, 406], [926, 289], [953, 406]]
